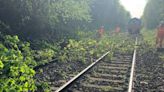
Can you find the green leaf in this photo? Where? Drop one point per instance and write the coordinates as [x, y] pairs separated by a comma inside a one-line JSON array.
[[22, 78], [22, 69], [26, 84], [1, 64]]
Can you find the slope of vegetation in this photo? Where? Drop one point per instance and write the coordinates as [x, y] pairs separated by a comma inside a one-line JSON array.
[[16, 65]]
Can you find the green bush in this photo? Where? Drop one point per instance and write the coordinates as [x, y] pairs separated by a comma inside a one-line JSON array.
[[16, 66], [44, 56]]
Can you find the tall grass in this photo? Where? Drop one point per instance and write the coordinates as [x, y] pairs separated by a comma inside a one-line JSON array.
[[149, 36]]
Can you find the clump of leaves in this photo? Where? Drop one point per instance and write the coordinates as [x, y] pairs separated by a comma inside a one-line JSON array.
[[16, 66], [43, 86], [45, 52], [44, 56]]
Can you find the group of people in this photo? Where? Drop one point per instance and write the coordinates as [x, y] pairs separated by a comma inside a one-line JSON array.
[[134, 27], [101, 31]]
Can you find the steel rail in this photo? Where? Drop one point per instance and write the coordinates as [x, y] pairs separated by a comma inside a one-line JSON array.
[[130, 87], [70, 82]]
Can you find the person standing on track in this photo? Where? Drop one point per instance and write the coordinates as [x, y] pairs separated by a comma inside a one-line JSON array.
[[101, 32], [160, 35]]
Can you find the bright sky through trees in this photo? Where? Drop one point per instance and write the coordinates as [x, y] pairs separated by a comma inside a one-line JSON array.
[[136, 7]]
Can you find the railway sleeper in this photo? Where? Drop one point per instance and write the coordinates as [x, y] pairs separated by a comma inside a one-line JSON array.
[[108, 76], [99, 81], [105, 71], [98, 88], [115, 65], [113, 68]]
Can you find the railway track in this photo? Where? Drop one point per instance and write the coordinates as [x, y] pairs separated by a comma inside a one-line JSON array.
[[104, 75]]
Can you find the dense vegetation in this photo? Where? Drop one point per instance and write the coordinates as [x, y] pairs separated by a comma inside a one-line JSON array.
[[55, 19], [16, 66], [109, 13]]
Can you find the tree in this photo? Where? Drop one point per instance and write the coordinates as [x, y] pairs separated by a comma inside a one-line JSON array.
[[153, 13], [31, 19], [108, 13]]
